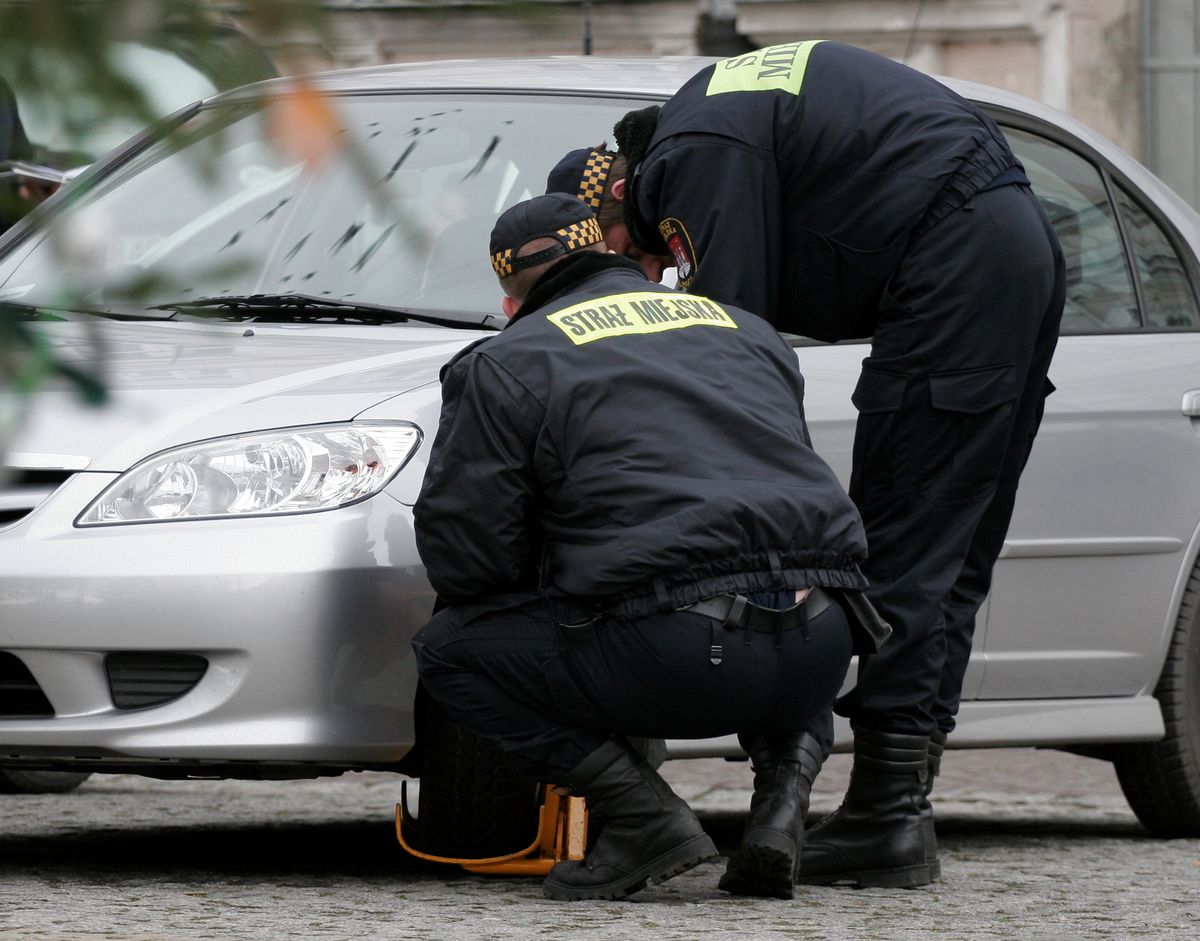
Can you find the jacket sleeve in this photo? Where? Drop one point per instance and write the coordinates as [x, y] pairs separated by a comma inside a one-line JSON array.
[[724, 198], [474, 517]]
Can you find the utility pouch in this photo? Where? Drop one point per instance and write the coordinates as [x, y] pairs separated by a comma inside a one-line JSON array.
[[869, 630]]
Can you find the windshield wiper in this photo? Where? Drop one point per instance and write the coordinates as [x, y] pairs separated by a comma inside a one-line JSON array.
[[46, 312], [286, 308]]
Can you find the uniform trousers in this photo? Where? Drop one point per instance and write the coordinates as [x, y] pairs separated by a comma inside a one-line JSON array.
[[549, 695], [949, 402]]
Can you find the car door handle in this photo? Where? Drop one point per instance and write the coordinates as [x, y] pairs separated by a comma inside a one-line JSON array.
[[1191, 403]]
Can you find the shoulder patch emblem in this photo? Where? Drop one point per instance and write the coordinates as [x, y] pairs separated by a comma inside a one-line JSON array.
[[679, 242]]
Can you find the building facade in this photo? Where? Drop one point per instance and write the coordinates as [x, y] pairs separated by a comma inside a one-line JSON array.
[[1128, 68]]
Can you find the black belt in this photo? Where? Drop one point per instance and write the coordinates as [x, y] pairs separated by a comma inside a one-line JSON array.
[[736, 612]]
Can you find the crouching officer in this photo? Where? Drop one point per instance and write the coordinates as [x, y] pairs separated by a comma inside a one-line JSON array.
[[634, 537]]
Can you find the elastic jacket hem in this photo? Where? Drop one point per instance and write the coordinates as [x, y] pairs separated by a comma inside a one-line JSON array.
[[661, 596]]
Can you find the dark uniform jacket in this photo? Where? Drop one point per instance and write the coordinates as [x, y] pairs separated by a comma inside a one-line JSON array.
[[627, 444], [789, 181]]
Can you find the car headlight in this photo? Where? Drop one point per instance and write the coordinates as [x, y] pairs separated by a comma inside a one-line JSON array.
[[291, 470]]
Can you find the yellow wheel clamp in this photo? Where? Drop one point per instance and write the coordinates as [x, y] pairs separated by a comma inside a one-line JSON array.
[[562, 834]]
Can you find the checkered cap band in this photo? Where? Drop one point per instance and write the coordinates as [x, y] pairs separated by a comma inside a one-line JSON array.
[[570, 238], [595, 176], [581, 234], [502, 263]]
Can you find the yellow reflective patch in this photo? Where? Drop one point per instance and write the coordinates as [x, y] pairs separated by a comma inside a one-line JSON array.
[[620, 315], [775, 68]]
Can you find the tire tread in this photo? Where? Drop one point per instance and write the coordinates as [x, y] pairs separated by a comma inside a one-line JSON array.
[[474, 803]]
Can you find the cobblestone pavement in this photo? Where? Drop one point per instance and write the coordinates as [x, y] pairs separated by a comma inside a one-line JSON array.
[[1035, 846]]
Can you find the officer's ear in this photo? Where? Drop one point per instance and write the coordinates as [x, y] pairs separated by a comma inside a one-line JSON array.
[[510, 306], [617, 188]]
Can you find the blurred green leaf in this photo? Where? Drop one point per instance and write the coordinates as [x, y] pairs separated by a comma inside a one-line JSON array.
[[26, 361], [66, 56]]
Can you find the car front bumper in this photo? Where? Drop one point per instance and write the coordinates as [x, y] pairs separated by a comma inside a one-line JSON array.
[[304, 621]]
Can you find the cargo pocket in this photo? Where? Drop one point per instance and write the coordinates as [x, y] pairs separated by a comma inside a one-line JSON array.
[[967, 432], [879, 450]]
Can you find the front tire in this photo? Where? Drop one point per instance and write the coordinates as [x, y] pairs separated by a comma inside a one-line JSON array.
[[474, 804], [1161, 780]]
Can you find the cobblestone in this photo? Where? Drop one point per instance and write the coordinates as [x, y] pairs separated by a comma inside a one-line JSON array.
[[1037, 846]]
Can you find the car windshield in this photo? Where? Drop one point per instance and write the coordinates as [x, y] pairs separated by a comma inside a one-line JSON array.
[[66, 134], [398, 216]]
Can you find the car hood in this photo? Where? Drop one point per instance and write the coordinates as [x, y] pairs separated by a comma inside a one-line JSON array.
[[173, 383]]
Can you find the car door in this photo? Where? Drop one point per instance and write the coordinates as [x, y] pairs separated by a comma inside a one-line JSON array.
[[1082, 599]]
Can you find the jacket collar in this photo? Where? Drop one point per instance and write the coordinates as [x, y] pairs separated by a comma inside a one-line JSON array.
[[568, 275]]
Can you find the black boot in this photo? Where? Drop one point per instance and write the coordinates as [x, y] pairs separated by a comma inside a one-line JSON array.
[[766, 862], [882, 835], [647, 833]]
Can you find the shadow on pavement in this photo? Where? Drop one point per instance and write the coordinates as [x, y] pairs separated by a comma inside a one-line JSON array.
[[726, 828], [357, 849], [364, 849]]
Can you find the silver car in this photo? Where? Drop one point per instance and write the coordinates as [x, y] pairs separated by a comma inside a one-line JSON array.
[[215, 575]]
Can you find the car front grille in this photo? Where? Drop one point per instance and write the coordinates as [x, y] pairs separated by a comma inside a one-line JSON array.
[[142, 679], [22, 489], [20, 694]]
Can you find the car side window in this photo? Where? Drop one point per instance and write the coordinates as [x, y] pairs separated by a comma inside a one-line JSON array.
[[1100, 292], [1167, 296]]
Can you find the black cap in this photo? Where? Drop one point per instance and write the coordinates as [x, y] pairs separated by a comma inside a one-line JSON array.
[[556, 215], [582, 173]]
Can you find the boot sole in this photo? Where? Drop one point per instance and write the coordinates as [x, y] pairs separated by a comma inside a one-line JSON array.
[[761, 872], [903, 877], [699, 849], [764, 866]]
